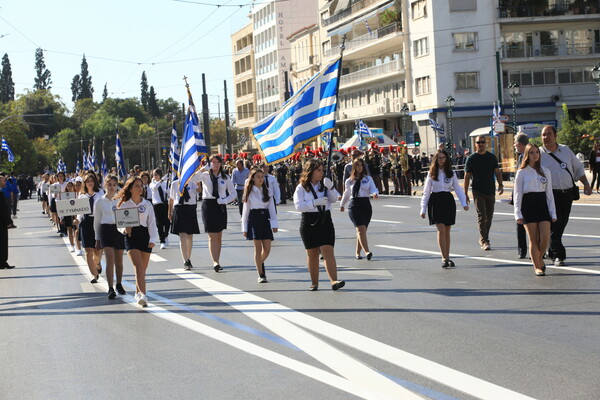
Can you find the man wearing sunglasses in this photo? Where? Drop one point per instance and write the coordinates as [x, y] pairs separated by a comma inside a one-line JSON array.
[[482, 166]]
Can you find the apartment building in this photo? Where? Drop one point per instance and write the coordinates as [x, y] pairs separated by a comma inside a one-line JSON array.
[[244, 80]]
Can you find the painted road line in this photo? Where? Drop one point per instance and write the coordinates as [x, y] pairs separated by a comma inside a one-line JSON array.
[[384, 221], [88, 287], [362, 271], [393, 206], [38, 232], [581, 236], [581, 218], [157, 258], [254, 306], [500, 260]]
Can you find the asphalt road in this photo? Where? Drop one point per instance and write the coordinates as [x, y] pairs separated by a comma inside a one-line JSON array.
[[401, 328]]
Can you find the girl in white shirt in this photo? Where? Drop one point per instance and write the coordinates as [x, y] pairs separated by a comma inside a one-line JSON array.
[[313, 197], [44, 186], [67, 220], [108, 237], [57, 187], [358, 188], [184, 217], [534, 205], [259, 218], [140, 239], [159, 194], [439, 202]]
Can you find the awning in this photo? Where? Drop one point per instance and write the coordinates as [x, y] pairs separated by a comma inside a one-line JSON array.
[[485, 131], [340, 31]]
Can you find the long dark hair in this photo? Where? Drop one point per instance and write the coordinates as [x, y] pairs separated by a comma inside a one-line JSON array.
[[434, 169], [525, 163], [84, 186], [307, 170], [125, 193], [221, 170], [354, 174], [250, 184]]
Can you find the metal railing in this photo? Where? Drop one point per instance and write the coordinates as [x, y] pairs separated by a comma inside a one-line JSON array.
[[517, 9], [392, 66], [243, 51], [357, 6], [550, 50], [364, 39]]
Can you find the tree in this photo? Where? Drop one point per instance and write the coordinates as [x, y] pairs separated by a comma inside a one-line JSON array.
[[76, 88], [67, 144], [81, 86], [144, 94], [42, 79], [104, 93], [15, 133], [123, 108], [152, 104], [578, 134], [7, 86], [84, 109], [217, 131], [41, 102]]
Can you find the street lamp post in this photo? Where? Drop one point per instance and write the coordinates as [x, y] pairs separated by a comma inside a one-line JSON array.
[[404, 114], [514, 91], [450, 104], [596, 76]]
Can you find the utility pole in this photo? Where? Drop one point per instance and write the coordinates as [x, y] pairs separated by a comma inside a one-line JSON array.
[[227, 130], [205, 115]]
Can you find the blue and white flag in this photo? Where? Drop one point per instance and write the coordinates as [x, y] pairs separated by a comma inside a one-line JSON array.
[[78, 166], [363, 129], [494, 111], [291, 89], [193, 146], [11, 156], [88, 159], [103, 168], [119, 159], [368, 28], [436, 127], [174, 153], [325, 138], [310, 112], [61, 166], [93, 164]]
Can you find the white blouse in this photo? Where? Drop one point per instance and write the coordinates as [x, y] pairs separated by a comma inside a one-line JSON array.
[[175, 195], [96, 196], [225, 186], [62, 187], [255, 202], [155, 195], [443, 184], [367, 187], [104, 213], [303, 200], [147, 218], [274, 186], [528, 180]]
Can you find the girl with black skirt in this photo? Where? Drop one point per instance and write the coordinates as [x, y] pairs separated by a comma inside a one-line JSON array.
[[91, 191], [159, 195], [108, 237], [44, 187], [358, 188], [439, 202], [55, 189], [259, 218], [313, 197], [140, 239], [67, 220], [184, 218], [217, 191], [534, 205]]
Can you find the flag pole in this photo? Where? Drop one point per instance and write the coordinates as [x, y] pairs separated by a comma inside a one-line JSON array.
[[337, 90]]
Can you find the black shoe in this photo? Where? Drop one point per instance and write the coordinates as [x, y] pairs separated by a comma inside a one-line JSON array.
[[369, 256], [95, 280], [450, 263], [112, 294], [313, 288], [6, 266], [99, 269], [359, 257], [120, 289], [187, 265], [446, 264], [217, 268], [522, 256], [338, 285]]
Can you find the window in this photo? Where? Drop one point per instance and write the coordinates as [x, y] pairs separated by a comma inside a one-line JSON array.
[[538, 77], [418, 9], [550, 76], [564, 75], [467, 80], [465, 41], [576, 75], [463, 5], [423, 85], [421, 47], [526, 78]]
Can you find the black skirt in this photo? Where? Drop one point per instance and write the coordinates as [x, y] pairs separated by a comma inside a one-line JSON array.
[[441, 208], [259, 225], [214, 216], [185, 219], [53, 205], [67, 221], [111, 237], [360, 211], [317, 229], [138, 240], [45, 197], [87, 234], [535, 208]]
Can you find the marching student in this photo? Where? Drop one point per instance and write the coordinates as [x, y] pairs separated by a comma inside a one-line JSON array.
[[184, 218], [271, 183], [534, 205], [159, 195], [58, 186], [77, 232], [90, 190], [313, 197], [44, 186], [108, 237], [217, 191], [67, 220], [358, 187], [145, 175], [259, 218], [140, 239], [438, 201]]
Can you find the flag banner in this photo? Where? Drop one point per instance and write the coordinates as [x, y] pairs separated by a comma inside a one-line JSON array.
[[193, 146], [11, 156], [119, 159], [310, 112], [93, 164], [78, 166], [363, 129], [174, 152], [89, 159], [103, 168], [494, 111], [61, 166], [436, 127], [291, 89]]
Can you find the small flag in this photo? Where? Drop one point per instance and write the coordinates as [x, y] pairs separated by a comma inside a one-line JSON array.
[[78, 166], [436, 127], [61, 166], [103, 168], [291, 89], [494, 112], [499, 111], [11, 156], [174, 152], [93, 164], [193, 147], [119, 158], [368, 29], [364, 129]]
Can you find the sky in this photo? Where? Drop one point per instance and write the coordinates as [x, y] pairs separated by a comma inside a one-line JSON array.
[[169, 39]]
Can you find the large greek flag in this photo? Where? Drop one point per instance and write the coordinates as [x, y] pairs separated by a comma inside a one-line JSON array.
[[174, 152], [193, 146], [119, 159], [11, 156], [61, 166], [310, 112]]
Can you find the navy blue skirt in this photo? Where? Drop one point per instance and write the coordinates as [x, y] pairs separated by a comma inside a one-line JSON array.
[[138, 240], [86, 232], [360, 211], [185, 219], [259, 225], [214, 216], [316, 229], [111, 237]]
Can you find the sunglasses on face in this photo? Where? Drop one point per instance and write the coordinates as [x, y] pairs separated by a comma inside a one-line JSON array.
[[480, 142]]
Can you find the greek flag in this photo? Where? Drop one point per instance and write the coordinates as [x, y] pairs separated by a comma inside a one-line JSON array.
[[78, 166], [326, 136], [103, 168], [119, 159], [494, 111], [310, 112], [363, 129], [174, 153], [88, 159], [193, 146], [436, 127], [93, 157], [11, 156], [61, 166], [291, 89]]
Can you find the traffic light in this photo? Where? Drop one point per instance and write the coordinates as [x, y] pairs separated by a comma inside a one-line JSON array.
[[417, 139]]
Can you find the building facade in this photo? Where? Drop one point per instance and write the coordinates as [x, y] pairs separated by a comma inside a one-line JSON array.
[[244, 78]]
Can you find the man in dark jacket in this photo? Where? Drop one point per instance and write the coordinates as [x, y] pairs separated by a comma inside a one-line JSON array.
[[5, 224]]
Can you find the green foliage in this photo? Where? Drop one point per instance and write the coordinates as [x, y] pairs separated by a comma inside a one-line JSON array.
[[578, 134], [7, 86], [389, 16], [123, 108], [144, 92], [81, 85], [84, 109], [104, 93], [42, 78], [14, 131], [46, 152], [41, 102], [152, 104]]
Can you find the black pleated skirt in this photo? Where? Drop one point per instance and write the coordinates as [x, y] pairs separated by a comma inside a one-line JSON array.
[[360, 211], [535, 208], [259, 225], [87, 234], [53, 205], [214, 216], [68, 221], [441, 208], [138, 240], [316, 229], [185, 219], [111, 237]]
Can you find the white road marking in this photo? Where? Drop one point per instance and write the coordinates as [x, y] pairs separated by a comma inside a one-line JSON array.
[[282, 230], [393, 206], [157, 258], [88, 287], [293, 212], [501, 260], [38, 232], [364, 271], [383, 221], [581, 218], [256, 308], [581, 236]]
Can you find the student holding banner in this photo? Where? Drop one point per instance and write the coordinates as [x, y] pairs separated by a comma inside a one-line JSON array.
[[142, 233], [67, 220], [55, 189], [159, 194], [184, 218], [108, 237]]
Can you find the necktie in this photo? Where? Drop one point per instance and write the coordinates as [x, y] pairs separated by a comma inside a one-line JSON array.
[[356, 188], [185, 197], [215, 185], [267, 181], [92, 205], [161, 193]]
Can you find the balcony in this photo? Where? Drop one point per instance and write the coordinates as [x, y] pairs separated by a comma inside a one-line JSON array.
[[523, 8], [357, 6], [368, 38], [377, 71], [550, 50], [243, 51]]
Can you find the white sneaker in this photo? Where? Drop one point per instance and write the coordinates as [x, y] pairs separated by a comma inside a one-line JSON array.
[[262, 279], [142, 300], [163, 246], [79, 252]]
